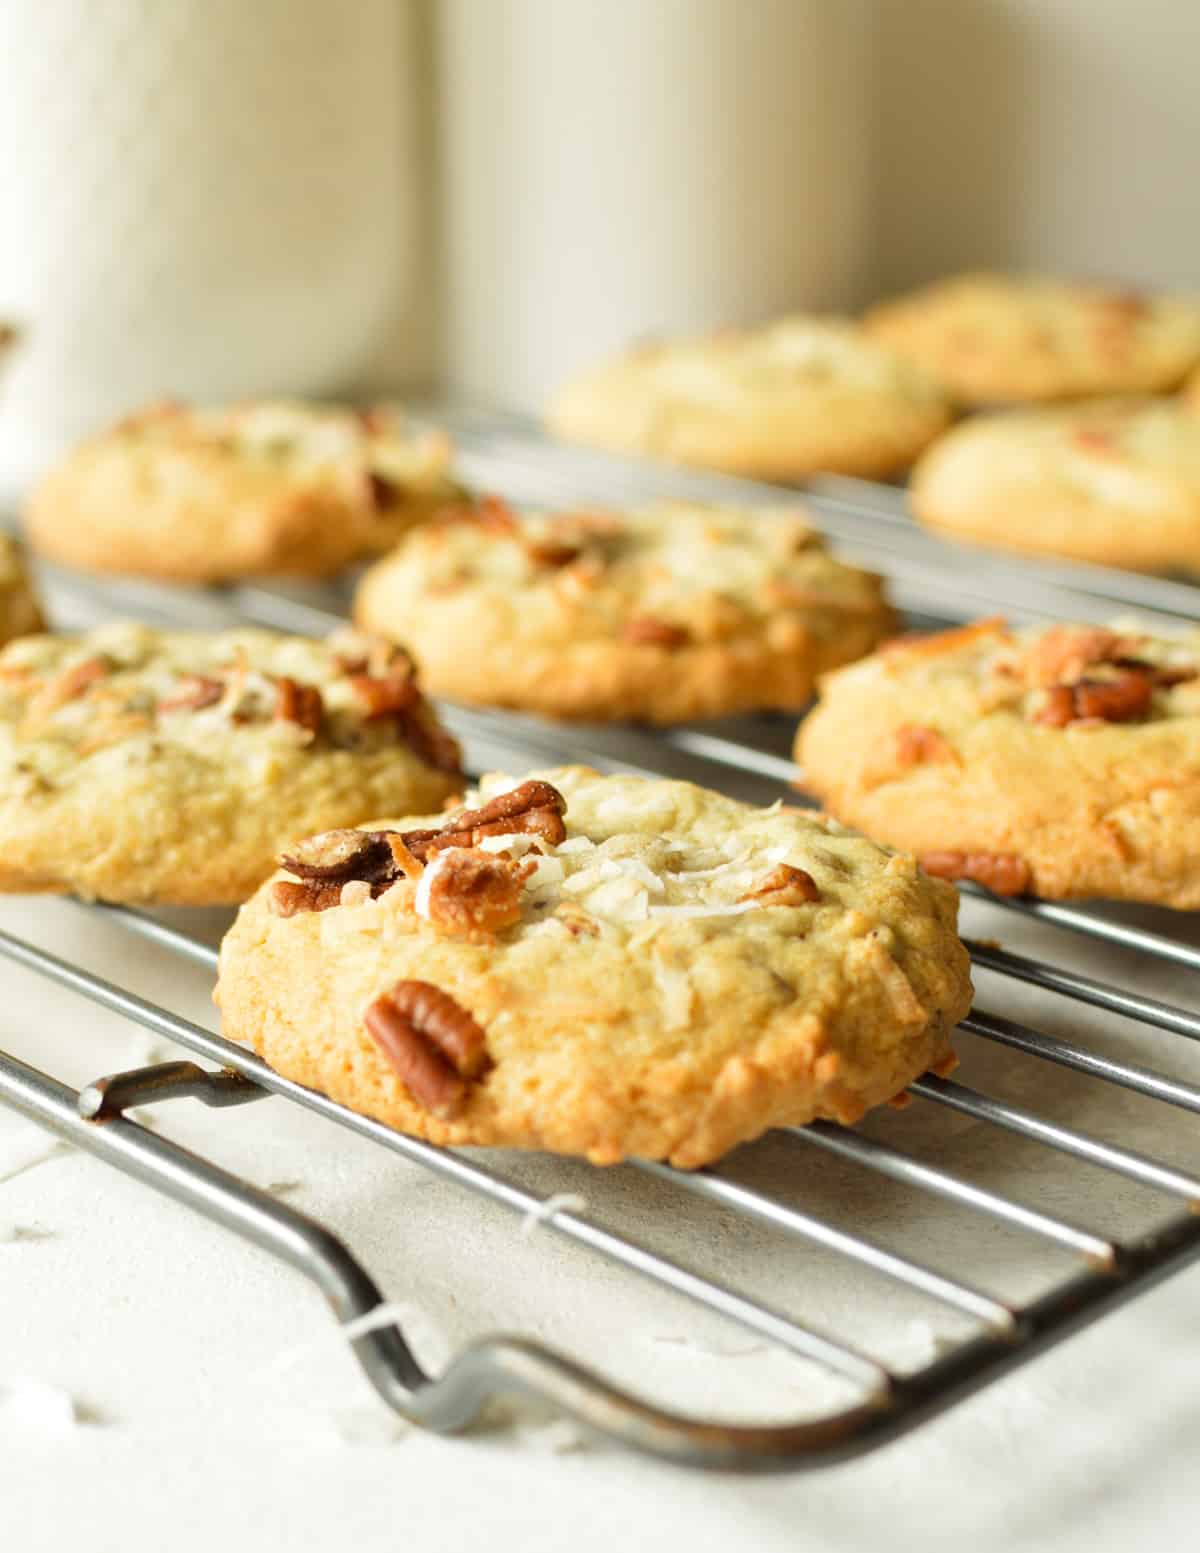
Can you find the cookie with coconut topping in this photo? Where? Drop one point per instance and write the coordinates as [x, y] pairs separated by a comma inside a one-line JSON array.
[[608, 966], [169, 768], [1063, 761], [1116, 482], [1001, 339], [663, 613], [20, 612], [261, 488], [783, 401]]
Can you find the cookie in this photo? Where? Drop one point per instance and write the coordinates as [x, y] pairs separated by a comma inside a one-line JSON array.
[[206, 495], [1115, 482], [1008, 339], [169, 768], [605, 966], [20, 612], [780, 402], [663, 613], [1063, 761]]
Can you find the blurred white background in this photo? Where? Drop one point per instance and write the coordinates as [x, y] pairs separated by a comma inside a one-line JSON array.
[[210, 198]]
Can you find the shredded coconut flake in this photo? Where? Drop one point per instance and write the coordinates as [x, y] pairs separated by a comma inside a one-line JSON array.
[[575, 844], [36, 1407], [547, 872], [425, 882], [558, 1202], [714, 910], [636, 869], [515, 842]]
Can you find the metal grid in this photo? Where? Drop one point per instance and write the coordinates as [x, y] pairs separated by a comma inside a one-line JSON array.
[[1105, 1270]]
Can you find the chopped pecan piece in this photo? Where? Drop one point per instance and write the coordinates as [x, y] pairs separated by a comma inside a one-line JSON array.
[[290, 897], [428, 740], [73, 682], [296, 702], [334, 856], [470, 892], [649, 631], [917, 743], [382, 494], [1065, 653], [1122, 699], [434, 1044], [489, 512], [1004, 873], [534, 807], [193, 693], [550, 553], [784, 886], [1093, 439], [384, 695], [1118, 700], [1059, 707]]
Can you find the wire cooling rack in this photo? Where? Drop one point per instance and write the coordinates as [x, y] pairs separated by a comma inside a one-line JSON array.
[[748, 757]]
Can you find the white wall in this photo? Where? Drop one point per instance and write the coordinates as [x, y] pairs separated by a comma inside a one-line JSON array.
[[1060, 134], [1063, 134]]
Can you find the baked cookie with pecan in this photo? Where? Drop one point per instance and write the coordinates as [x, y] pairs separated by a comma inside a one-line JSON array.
[[262, 488], [605, 966], [662, 613], [169, 768], [1010, 339], [20, 612], [1116, 482], [780, 402], [1063, 761]]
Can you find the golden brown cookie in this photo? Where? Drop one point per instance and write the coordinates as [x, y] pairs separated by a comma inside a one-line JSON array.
[[169, 768], [1115, 482], [1063, 761], [205, 495], [20, 612], [1006, 339], [781, 402], [663, 613], [605, 966]]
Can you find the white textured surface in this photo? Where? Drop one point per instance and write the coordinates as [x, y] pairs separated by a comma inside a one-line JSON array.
[[162, 1381], [202, 198]]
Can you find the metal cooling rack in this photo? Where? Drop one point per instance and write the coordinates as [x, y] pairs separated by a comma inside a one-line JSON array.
[[747, 758]]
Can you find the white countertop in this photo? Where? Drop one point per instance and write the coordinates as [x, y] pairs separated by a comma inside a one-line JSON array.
[[214, 1403]]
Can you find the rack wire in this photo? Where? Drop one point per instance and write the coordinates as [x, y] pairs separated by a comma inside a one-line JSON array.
[[747, 758]]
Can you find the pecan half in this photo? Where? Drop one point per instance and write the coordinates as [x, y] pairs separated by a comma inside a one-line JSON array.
[[650, 631], [193, 693], [474, 893], [534, 807], [1004, 873], [296, 702], [434, 1044], [784, 886]]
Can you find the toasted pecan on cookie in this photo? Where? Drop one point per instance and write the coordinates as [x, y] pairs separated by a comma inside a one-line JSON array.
[[1008, 339], [783, 401], [605, 966], [1063, 761], [272, 488], [662, 613], [171, 767]]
